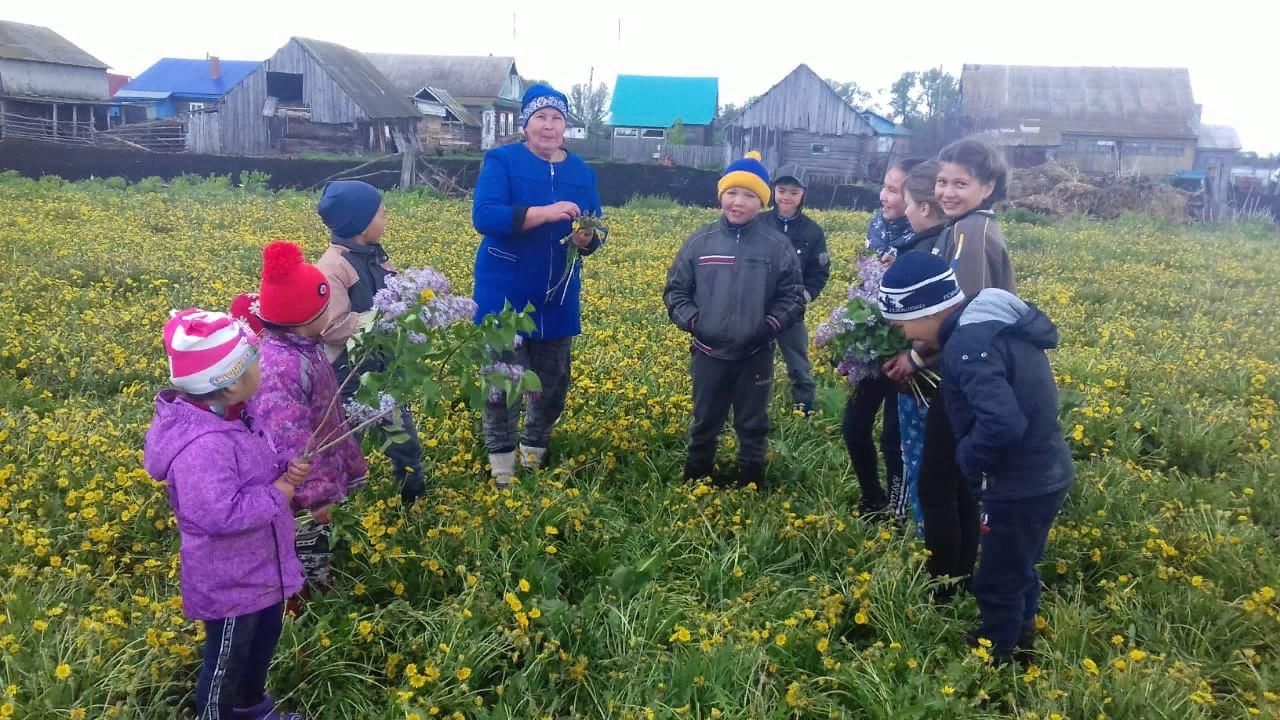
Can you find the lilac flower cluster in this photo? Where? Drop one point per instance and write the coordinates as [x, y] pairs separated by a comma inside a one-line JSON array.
[[445, 310], [871, 272], [511, 371], [359, 413], [425, 287]]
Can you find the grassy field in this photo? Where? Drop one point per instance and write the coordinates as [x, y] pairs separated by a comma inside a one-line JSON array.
[[605, 587]]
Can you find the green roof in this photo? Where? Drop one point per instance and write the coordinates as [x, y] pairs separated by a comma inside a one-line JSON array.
[[653, 101]]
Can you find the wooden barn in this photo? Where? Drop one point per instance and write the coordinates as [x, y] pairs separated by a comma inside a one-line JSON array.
[[475, 97], [1216, 150], [1098, 119], [49, 88], [310, 96], [802, 120]]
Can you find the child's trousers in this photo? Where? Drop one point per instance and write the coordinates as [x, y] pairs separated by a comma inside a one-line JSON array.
[[720, 385], [237, 653], [1006, 584], [859, 439]]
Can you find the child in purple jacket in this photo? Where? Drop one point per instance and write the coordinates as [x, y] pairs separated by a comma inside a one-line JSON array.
[[230, 492], [298, 407]]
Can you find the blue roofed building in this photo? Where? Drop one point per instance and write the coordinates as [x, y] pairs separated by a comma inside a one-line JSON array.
[[645, 107], [176, 86]]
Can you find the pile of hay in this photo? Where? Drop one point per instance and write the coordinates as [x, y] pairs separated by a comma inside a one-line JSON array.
[[1053, 190]]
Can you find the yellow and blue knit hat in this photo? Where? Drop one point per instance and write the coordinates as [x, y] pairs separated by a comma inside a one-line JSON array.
[[747, 173]]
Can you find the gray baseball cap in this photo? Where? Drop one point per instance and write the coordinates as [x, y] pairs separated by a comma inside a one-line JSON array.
[[792, 172]]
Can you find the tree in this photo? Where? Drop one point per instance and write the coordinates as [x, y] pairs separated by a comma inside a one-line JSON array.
[[677, 135], [590, 104], [850, 92], [903, 106], [939, 94]]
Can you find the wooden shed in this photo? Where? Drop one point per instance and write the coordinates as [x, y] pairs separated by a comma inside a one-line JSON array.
[[49, 88], [482, 91], [1099, 119], [310, 96], [1216, 152], [802, 120]]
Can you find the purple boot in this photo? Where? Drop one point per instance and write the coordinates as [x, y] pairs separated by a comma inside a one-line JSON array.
[[265, 710]]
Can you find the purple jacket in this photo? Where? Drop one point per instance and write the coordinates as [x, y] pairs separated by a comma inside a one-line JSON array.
[[297, 387], [236, 529]]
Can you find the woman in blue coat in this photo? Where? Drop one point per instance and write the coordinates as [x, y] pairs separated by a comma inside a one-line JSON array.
[[526, 201]]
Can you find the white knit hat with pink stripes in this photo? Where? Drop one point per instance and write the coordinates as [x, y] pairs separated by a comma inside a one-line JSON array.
[[207, 350]]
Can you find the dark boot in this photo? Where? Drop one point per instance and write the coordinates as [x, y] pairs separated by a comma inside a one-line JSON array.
[[874, 509], [695, 471], [749, 473]]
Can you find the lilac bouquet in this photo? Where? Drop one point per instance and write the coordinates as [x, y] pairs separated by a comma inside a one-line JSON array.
[[858, 336], [420, 341]]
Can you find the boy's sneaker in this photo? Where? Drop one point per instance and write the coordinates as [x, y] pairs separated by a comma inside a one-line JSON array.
[[502, 468], [532, 458], [265, 710], [874, 510]]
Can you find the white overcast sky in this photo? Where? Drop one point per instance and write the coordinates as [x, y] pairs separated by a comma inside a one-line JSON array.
[[1228, 45]]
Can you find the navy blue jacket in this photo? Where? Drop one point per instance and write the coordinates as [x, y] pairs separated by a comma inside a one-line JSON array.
[[1001, 398], [529, 266]]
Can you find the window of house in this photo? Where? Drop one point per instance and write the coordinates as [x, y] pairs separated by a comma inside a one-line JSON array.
[[1169, 150], [626, 132], [652, 134], [286, 87], [819, 149], [195, 106], [1069, 145], [1138, 148]]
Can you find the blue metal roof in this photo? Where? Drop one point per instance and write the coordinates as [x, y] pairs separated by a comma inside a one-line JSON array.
[[190, 78], [652, 101], [883, 125]]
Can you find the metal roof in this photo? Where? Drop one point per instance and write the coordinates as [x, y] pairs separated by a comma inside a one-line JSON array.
[[1155, 102], [19, 41], [1218, 137], [883, 125], [473, 77], [190, 78], [655, 101], [444, 98], [368, 88]]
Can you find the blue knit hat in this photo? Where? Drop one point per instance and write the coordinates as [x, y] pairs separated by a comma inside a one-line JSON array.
[[747, 173], [348, 206], [539, 97], [918, 284]]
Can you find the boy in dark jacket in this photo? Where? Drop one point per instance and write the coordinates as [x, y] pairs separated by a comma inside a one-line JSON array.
[[357, 267], [810, 243], [735, 286], [1002, 404]]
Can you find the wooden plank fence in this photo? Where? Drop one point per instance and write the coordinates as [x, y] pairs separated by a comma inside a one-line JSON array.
[[157, 136]]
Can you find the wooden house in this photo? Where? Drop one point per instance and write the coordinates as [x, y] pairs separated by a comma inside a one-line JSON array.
[[802, 120], [173, 87], [1098, 119], [310, 96], [483, 94], [1217, 147], [645, 107], [49, 88]]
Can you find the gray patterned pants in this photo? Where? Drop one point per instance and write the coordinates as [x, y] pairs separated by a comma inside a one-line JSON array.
[[550, 360]]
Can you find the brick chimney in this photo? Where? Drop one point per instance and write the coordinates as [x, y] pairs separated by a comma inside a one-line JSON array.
[[215, 67]]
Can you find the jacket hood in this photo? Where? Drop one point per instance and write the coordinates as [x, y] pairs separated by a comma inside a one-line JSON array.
[[176, 425], [1013, 315]]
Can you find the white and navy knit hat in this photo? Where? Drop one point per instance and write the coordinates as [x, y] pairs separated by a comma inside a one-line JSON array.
[[539, 97], [919, 284]]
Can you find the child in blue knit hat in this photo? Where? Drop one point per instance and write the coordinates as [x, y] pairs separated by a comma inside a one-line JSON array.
[[1002, 404], [357, 267], [734, 287]]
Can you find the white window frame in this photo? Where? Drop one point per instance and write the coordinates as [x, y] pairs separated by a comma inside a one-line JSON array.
[[819, 149], [653, 134], [626, 132]]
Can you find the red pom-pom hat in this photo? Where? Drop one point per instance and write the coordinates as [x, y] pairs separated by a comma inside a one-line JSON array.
[[293, 292]]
